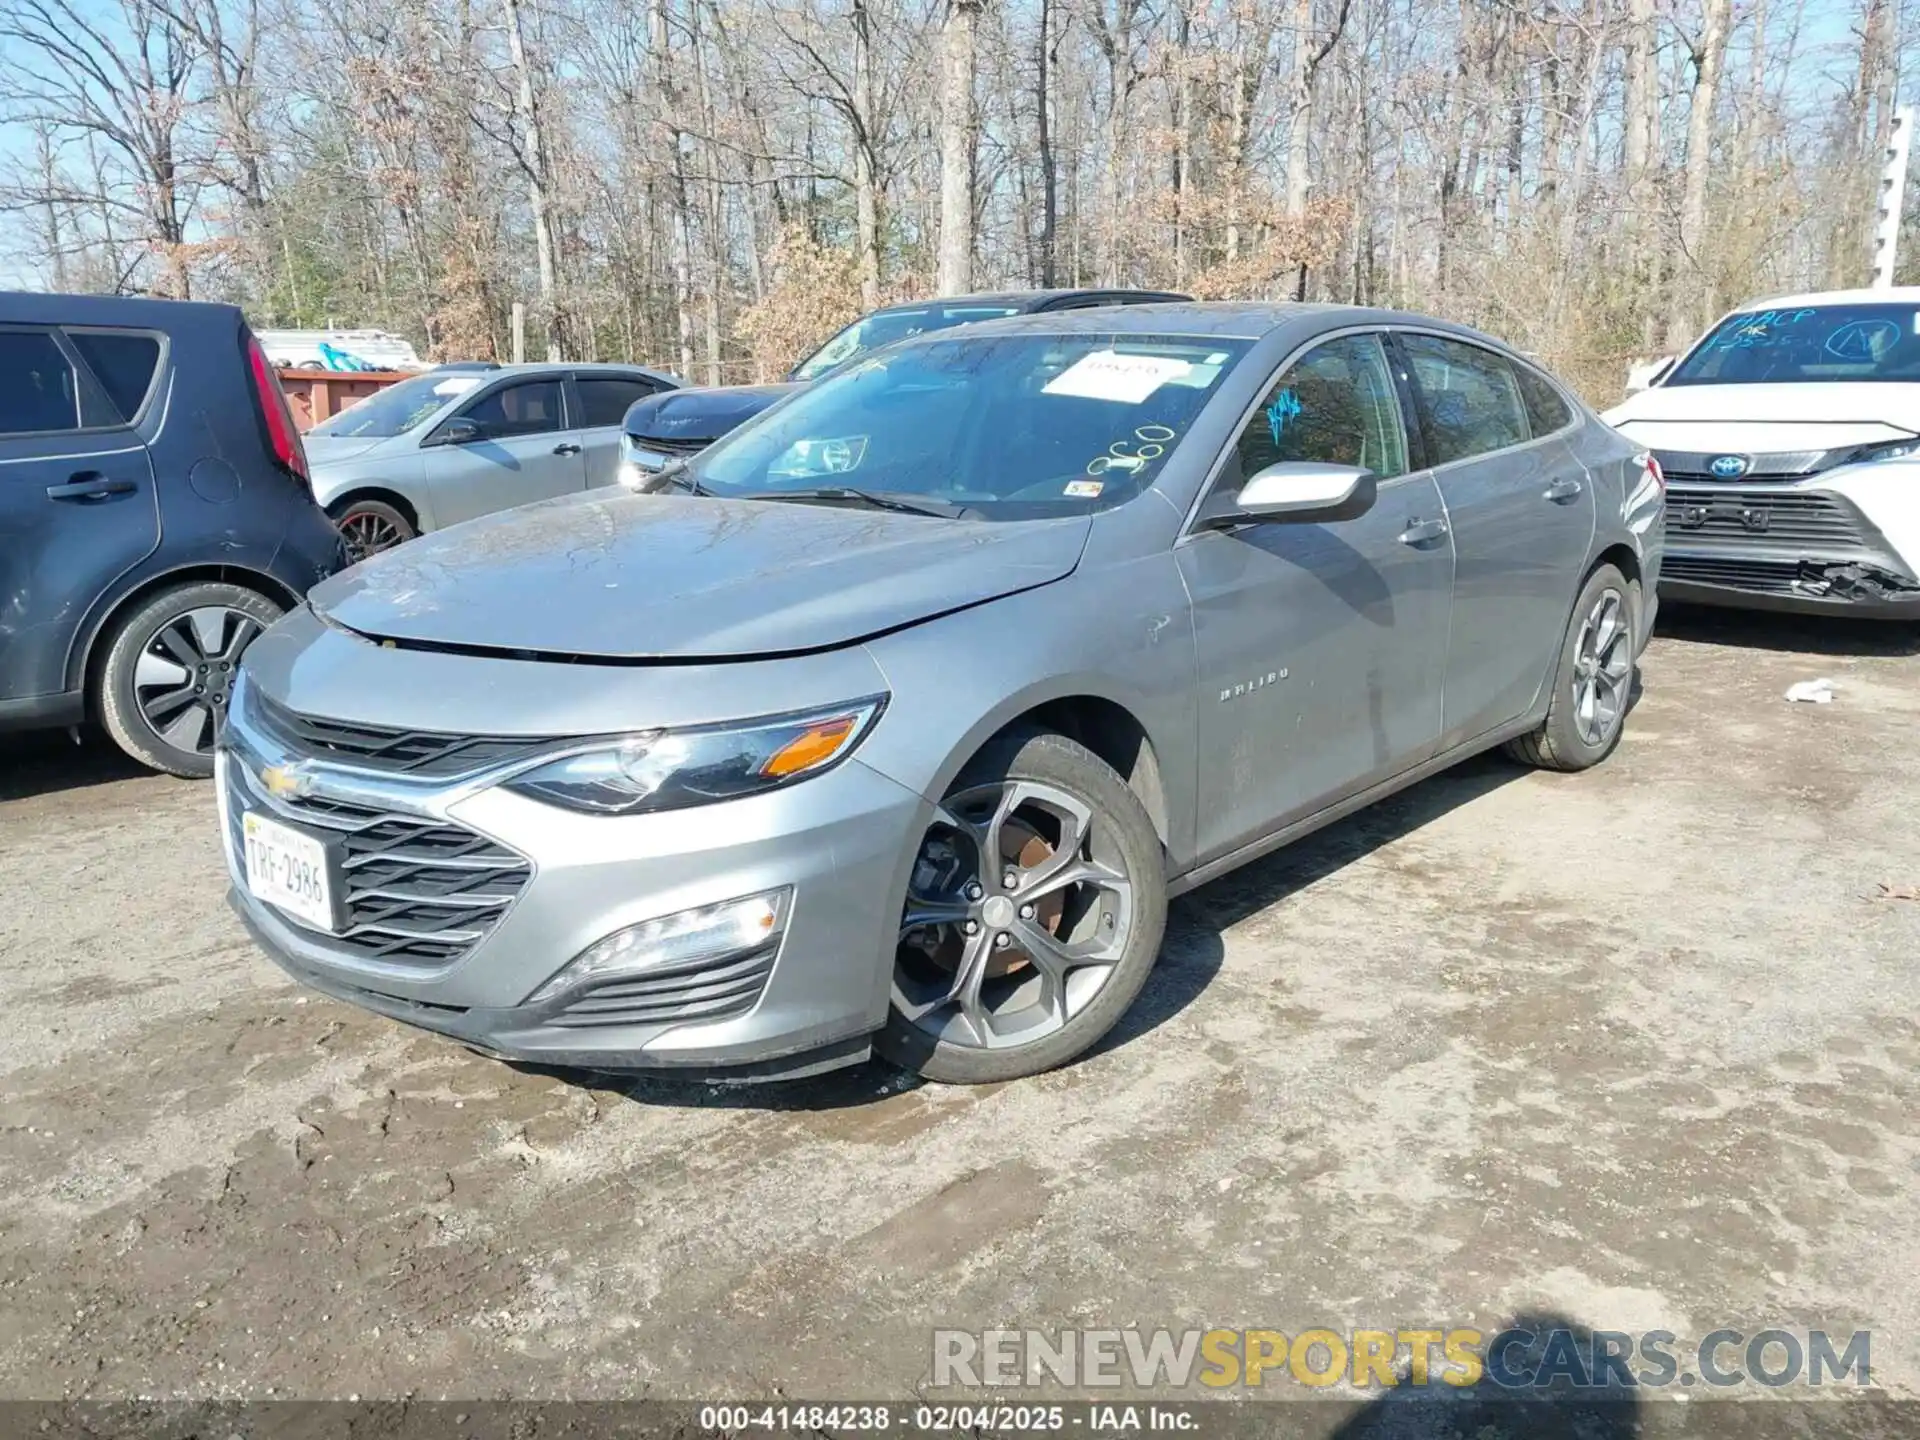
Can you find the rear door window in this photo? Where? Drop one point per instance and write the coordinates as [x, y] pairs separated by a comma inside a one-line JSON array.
[[124, 363], [42, 389], [1472, 401], [604, 398]]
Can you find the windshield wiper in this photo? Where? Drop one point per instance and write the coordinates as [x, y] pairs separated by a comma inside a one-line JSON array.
[[679, 474], [872, 499]]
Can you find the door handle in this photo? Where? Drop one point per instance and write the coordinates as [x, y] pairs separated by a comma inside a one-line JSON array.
[[90, 485], [1563, 490], [1420, 532], [566, 447]]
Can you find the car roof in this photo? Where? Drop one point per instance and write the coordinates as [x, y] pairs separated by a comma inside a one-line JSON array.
[[1236, 319], [1026, 299], [584, 367], [45, 308], [1890, 295]]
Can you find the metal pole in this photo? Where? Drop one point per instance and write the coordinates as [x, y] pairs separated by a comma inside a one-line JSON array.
[[1893, 191]]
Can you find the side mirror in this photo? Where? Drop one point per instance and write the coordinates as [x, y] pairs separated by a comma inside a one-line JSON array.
[[1646, 374], [1304, 490], [458, 431]]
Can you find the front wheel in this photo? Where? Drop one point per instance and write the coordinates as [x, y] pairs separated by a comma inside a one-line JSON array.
[[1593, 682], [1033, 913], [169, 669]]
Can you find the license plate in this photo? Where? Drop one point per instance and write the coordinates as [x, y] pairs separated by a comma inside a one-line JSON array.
[[288, 870]]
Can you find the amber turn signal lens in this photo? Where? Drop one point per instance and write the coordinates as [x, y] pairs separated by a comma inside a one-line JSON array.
[[813, 746]]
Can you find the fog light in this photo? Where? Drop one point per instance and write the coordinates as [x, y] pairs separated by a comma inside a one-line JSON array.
[[687, 937]]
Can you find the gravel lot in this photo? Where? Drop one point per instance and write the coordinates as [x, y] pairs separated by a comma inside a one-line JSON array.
[[1638, 1047]]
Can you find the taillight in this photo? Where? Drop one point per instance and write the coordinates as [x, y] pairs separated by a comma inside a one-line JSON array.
[[1654, 472], [283, 436]]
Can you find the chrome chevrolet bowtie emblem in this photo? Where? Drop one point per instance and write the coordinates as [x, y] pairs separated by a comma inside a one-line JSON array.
[[287, 782]]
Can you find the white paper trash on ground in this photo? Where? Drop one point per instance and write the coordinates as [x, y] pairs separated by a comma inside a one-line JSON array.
[[1813, 692]]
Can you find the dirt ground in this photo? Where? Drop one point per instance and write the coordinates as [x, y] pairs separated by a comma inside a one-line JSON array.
[[1638, 1047]]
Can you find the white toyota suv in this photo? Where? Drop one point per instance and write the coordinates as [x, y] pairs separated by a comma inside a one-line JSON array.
[[1790, 438]]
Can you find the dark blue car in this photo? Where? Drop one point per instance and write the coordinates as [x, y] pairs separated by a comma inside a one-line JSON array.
[[155, 516], [666, 427]]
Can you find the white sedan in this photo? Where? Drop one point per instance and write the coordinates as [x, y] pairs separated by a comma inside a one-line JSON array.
[[1790, 438]]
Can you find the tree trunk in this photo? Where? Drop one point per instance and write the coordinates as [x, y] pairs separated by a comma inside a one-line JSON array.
[[1300, 108], [534, 162], [1693, 288], [1043, 129], [865, 181], [957, 147]]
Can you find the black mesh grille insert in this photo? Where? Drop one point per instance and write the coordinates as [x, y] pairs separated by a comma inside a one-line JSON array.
[[1699, 519], [419, 893]]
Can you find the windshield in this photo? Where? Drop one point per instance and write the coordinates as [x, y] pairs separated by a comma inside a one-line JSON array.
[[883, 327], [1807, 343], [1010, 427], [398, 408]]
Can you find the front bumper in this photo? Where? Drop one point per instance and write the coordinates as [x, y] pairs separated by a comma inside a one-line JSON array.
[[842, 842], [1782, 547], [1751, 597]]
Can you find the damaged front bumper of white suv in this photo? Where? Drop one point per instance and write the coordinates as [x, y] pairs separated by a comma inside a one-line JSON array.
[[1807, 531]]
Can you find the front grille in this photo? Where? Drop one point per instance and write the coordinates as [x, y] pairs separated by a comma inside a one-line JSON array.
[[374, 747], [1769, 577], [1694, 465], [419, 893], [707, 991], [1717, 519], [674, 445]]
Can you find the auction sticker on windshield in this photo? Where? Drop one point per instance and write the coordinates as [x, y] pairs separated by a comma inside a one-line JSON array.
[[1109, 375], [288, 870]]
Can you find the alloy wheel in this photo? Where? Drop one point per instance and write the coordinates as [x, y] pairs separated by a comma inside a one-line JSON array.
[[1019, 907], [368, 532], [1602, 668], [185, 674]]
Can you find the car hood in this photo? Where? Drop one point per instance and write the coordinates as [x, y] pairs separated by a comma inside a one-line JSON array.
[[681, 578], [1756, 419], [703, 415], [332, 449]]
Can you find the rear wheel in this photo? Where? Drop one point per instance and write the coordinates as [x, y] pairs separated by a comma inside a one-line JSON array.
[[1033, 914], [169, 669], [370, 526], [1593, 683]]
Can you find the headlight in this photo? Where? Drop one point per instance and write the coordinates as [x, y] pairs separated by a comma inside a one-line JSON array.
[[638, 465], [672, 769], [1894, 450]]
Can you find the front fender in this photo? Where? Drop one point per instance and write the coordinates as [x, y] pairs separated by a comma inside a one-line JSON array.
[[1121, 633]]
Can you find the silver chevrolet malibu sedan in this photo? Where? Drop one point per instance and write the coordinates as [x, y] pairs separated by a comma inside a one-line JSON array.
[[893, 720]]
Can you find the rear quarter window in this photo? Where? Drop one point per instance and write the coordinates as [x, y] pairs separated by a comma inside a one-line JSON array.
[[125, 364], [1546, 410]]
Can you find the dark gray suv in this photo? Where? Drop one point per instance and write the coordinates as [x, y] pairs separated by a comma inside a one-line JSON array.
[[154, 517]]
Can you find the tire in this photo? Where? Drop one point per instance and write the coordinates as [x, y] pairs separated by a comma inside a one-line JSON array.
[[370, 526], [1069, 1015], [1571, 738], [190, 635]]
